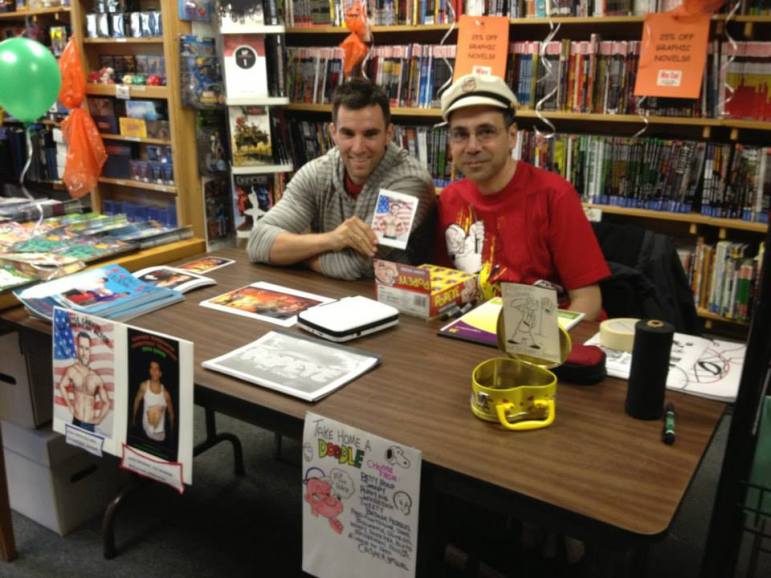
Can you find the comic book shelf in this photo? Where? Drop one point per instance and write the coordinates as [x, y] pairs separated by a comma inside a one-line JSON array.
[[250, 97], [679, 225], [184, 195], [180, 194]]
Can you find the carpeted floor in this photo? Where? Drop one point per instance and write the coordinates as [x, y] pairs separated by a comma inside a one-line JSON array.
[[250, 526]]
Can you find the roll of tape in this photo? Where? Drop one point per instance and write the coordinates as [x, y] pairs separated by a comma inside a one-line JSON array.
[[618, 333]]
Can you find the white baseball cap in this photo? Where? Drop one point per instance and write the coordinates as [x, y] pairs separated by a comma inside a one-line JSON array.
[[477, 90]]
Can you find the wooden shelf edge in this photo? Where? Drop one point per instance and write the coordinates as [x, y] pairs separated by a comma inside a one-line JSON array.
[[696, 218], [312, 107], [531, 21], [261, 169], [139, 185], [564, 115], [257, 101], [127, 40], [158, 141], [705, 314], [136, 91], [159, 255], [257, 29], [576, 20], [35, 12]]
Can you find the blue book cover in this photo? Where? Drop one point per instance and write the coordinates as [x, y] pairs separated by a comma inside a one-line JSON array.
[[106, 291]]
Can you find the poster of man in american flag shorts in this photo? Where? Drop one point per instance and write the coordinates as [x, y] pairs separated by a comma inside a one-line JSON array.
[[83, 373], [392, 221]]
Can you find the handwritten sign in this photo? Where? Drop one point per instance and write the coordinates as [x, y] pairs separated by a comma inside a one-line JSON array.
[[482, 45], [169, 473], [360, 502], [673, 52]]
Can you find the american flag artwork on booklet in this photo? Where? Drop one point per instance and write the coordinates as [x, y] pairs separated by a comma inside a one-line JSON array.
[[84, 374], [392, 221]]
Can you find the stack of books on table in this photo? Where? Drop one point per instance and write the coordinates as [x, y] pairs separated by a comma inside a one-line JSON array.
[[109, 291]]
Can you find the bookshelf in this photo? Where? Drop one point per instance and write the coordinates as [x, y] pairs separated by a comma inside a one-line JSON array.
[[40, 177], [180, 194], [723, 130], [55, 11], [254, 86]]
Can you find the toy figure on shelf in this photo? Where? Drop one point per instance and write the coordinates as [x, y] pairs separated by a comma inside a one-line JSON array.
[[154, 80], [201, 76], [106, 75], [127, 79]]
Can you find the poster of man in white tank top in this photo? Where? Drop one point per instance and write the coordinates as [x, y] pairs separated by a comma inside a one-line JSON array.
[[153, 379]]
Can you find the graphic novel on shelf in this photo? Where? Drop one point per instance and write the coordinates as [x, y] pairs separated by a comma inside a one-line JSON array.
[[250, 136]]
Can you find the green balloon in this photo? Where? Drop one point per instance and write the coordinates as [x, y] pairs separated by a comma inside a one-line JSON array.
[[30, 78]]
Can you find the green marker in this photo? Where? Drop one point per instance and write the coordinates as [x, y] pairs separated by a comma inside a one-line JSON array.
[[668, 433]]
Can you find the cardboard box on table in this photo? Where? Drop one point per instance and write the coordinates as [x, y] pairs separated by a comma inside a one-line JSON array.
[[426, 291], [57, 485]]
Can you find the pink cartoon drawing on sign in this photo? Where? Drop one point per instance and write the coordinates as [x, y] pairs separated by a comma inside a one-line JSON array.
[[318, 493]]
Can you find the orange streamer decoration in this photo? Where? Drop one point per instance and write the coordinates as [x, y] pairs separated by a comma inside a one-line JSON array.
[[692, 7], [85, 149], [354, 46]]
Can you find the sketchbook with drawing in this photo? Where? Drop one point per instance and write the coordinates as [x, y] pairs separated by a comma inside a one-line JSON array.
[[480, 324]]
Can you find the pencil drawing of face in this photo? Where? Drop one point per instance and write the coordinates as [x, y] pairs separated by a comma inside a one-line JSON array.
[[403, 502]]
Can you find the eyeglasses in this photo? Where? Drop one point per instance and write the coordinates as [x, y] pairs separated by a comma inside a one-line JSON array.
[[483, 134]]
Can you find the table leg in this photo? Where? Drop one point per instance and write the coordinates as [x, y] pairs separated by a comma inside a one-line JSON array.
[[213, 438], [108, 521], [7, 541]]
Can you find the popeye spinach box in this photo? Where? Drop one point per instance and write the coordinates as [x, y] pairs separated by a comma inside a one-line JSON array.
[[425, 291]]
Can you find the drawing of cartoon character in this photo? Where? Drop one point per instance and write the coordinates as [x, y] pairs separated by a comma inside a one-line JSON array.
[[526, 310], [403, 502], [318, 493], [395, 455], [465, 250]]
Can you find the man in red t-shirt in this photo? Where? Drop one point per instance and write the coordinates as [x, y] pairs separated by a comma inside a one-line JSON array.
[[508, 220]]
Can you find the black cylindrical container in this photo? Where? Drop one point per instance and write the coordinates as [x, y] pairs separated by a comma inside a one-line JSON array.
[[650, 365]]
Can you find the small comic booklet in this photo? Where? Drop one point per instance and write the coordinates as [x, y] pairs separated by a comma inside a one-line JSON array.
[[11, 277], [172, 278], [205, 264], [480, 324], [124, 391], [266, 302], [108, 291], [42, 266], [297, 365], [392, 220]]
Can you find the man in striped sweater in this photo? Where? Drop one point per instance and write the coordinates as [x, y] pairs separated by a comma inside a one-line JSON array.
[[324, 217]]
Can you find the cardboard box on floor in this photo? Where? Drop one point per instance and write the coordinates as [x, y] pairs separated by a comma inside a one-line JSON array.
[[426, 291], [26, 379], [57, 485]]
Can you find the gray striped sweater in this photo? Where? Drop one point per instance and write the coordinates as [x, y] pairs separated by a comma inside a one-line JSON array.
[[315, 201]]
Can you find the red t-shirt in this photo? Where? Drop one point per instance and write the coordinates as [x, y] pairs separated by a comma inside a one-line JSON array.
[[534, 229], [352, 188]]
